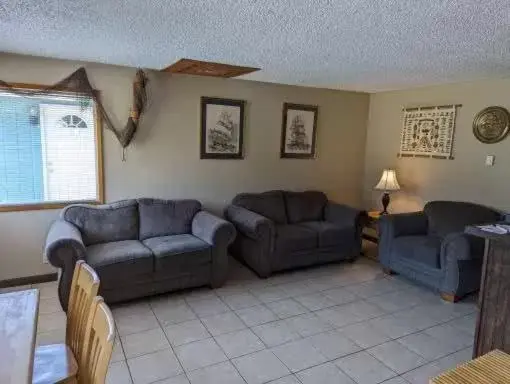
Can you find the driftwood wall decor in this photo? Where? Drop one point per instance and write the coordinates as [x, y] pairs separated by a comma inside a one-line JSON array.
[[78, 85]]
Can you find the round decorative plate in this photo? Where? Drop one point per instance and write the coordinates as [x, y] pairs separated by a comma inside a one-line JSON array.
[[491, 125]]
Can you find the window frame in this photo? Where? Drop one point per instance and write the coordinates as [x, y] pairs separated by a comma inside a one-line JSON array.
[[44, 205]]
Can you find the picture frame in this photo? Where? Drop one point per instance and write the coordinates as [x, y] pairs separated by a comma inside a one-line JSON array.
[[299, 131], [221, 128]]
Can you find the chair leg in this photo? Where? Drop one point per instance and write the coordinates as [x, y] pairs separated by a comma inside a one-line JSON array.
[[450, 297], [387, 271]]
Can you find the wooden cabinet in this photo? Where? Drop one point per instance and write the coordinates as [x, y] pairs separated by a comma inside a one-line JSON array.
[[493, 325]]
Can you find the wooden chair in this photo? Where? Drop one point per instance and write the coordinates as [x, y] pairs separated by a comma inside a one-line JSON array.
[[98, 346], [59, 362]]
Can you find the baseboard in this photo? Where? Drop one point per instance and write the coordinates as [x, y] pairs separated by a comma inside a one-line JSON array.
[[28, 280]]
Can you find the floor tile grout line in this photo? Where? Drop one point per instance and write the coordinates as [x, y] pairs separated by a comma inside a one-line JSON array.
[[212, 337], [269, 348], [393, 312], [124, 354], [335, 328], [170, 345]]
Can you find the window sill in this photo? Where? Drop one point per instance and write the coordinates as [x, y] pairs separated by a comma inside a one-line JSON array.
[[43, 206]]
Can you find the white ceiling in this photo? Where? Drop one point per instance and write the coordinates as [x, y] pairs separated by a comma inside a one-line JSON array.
[[366, 45]]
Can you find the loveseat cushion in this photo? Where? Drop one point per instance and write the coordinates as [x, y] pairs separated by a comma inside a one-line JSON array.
[[268, 204], [305, 206], [166, 217], [104, 223], [178, 253], [293, 237], [119, 260], [331, 234], [420, 249]]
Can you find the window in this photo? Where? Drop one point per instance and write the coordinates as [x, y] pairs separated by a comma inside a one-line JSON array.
[[50, 151]]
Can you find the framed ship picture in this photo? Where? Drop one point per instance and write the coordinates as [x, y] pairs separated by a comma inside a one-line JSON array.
[[299, 131], [222, 124]]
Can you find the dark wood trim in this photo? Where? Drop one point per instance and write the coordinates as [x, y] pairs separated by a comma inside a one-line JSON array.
[[370, 238], [208, 68], [299, 107], [28, 280], [204, 101]]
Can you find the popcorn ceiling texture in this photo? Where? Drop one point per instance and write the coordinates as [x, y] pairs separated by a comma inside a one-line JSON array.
[[362, 45]]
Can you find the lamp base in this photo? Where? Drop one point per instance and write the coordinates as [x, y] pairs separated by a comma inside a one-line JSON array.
[[385, 202]]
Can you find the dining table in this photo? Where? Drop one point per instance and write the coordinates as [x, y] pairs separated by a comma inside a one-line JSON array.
[[18, 328]]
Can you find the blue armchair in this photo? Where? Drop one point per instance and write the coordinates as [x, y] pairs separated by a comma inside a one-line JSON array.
[[432, 248]]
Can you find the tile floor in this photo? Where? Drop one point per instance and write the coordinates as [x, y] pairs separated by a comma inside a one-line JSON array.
[[342, 323]]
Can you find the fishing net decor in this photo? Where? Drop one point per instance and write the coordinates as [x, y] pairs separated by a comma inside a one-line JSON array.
[[78, 85]]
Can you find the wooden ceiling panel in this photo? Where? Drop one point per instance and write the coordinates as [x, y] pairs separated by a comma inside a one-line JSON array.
[[207, 68]]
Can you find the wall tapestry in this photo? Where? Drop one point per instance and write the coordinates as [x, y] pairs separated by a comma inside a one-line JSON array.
[[299, 131], [78, 83], [428, 132], [222, 124], [491, 125]]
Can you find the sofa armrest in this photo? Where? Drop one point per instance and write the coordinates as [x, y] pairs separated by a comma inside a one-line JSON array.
[[250, 224], [220, 234], [64, 247], [344, 214], [212, 229], [461, 260]]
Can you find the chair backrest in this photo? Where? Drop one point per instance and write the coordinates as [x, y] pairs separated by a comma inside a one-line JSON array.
[[98, 346], [446, 217], [84, 288]]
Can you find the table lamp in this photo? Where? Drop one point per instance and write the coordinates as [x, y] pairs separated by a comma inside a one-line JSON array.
[[387, 183]]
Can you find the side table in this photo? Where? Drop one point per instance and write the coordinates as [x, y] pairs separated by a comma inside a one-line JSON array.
[[371, 234]]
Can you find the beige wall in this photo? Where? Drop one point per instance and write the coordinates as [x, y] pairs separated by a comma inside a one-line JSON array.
[[464, 178], [163, 160]]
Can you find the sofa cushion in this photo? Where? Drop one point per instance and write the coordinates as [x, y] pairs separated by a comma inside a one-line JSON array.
[[454, 216], [120, 260], [166, 217], [305, 206], [174, 254], [268, 204], [420, 249], [104, 223], [331, 234], [293, 237]]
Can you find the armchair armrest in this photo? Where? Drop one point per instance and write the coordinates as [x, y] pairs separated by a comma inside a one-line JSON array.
[[461, 246], [220, 234], [212, 229], [249, 223], [395, 225], [64, 247], [344, 214], [461, 258], [403, 224]]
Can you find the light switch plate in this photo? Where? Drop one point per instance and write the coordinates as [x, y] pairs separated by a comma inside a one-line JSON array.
[[489, 160]]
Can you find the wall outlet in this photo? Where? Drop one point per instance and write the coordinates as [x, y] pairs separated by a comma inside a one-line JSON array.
[[489, 160]]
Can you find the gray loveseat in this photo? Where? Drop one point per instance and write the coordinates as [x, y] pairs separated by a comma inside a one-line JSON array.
[[432, 248], [141, 247], [279, 230]]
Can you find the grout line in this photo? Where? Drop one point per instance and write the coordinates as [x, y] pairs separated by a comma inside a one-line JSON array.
[[169, 343], [123, 353]]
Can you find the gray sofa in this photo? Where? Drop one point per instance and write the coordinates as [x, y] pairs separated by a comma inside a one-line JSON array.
[[432, 248], [141, 247], [279, 230]]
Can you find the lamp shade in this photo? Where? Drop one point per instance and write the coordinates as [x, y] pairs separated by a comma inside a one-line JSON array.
[[388, 181]]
